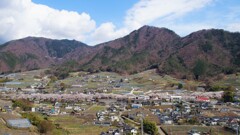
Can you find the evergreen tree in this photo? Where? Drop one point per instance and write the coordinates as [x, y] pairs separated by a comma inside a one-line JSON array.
[[199, 68]]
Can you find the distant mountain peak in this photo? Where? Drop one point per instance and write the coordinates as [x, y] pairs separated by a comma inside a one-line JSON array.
[[153, 28], [152, 31]]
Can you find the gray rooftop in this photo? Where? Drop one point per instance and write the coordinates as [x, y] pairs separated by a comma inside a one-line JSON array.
[[19, 123]]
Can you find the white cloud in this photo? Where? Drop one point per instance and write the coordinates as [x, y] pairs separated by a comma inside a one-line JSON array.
[[147, 11], [21, 18], [105, 32]]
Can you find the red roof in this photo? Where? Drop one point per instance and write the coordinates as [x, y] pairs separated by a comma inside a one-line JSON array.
[[201, 98]]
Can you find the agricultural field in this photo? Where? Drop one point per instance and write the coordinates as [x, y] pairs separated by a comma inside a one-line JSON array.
[[183, 129], [161, 108], [24, 79], [94, 109], [8, 116], [116, 83], [78, 126], [230, 80], [141, 82]]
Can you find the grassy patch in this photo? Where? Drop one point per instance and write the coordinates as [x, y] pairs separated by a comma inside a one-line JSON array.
[[87, 130], [229, 80], [94, 109], [182, 130]]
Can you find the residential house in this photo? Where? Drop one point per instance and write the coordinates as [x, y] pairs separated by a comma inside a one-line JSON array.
[[136, 106]]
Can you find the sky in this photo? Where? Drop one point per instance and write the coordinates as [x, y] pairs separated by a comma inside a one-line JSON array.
[[97, 21]]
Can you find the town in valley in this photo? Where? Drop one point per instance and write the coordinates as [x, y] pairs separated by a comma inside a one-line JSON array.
[[108, 103]]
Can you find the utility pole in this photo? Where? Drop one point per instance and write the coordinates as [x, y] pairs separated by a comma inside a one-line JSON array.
[[237, 129], [142, 124]]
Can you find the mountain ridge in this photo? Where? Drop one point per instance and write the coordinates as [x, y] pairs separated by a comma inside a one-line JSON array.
[[147, 47]]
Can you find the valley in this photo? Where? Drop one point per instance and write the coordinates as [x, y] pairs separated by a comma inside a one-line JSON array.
[[151, 77]]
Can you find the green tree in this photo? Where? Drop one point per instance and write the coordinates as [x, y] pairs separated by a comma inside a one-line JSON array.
[[90, 70], [150, 127], [199, 68], [53, 79], [228, 96], [45, 126], [180, 86], [62, 71], [63, 86], [22, 103], [215, 88], [39, 121], [193, 120]]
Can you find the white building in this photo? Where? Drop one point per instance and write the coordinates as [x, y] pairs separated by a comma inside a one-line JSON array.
[[33, 109], [176, 98]]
